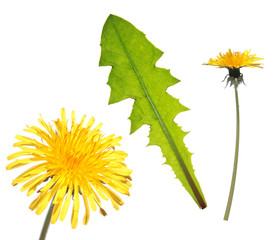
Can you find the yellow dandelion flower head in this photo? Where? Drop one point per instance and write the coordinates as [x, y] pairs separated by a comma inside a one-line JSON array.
[[71, 164], [233, 60]]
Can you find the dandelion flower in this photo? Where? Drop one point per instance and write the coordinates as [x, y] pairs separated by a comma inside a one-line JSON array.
[[76, 163], [233, 61]]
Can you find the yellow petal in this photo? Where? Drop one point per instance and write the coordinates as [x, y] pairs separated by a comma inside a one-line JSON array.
[[90, 123], [87, 210], [92, 202], [66, 204], [46, 200], [31, 172], [17, 154], [56, 212], [76, 205], [35, 181]]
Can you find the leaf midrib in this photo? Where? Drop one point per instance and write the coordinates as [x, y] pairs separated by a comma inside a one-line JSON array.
[[192, 184]]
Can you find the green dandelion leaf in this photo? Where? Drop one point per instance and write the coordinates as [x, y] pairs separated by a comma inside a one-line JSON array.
[[134, 75]]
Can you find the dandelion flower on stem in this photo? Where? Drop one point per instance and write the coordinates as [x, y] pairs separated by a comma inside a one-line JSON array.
[[233, 61], [79, 163]]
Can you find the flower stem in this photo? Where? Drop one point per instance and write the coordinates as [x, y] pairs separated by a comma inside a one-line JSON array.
[[229, 204], [47, 222]]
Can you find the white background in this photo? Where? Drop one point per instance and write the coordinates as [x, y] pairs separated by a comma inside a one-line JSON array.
[[49, 53]]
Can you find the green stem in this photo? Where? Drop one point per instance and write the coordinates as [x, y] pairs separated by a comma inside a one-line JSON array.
[[229, 204], [47, 222]]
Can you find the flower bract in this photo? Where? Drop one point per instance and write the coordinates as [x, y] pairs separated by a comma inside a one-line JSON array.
[[76, 163]]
